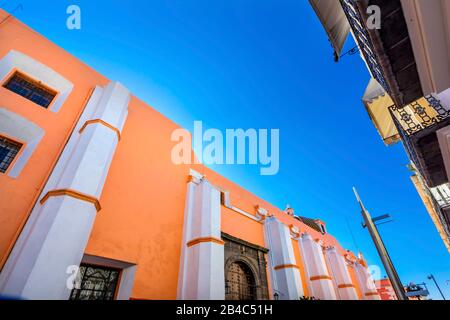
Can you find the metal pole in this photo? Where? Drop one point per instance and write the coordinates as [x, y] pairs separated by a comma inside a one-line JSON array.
[[431, 277], [382, 252]]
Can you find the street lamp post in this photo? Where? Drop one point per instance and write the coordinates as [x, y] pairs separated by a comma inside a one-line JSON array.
[[382, 251], [431, 277]]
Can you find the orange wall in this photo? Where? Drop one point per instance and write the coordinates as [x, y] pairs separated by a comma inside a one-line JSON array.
[[247, 201], [242, 227]]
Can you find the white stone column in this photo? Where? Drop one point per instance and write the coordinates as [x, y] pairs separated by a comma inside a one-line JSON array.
[[58, 229], [286, 280], [202, 274], [366, 283], [339, 271], [320, 281]]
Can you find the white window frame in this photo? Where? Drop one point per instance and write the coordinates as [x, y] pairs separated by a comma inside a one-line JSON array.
[[15, 61], [17, 128]]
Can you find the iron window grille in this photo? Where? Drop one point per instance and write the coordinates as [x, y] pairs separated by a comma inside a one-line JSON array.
[[8, 151], [95, 283], [30, 89]]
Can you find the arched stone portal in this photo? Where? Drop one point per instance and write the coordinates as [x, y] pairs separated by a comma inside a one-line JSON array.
[[240, 282], [245, 270]]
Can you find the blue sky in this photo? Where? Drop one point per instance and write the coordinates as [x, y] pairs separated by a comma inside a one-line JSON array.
[[262, 64]]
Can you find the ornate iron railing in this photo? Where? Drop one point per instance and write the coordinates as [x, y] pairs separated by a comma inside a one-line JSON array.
[[358, 25], [410, 150], [416, 116]]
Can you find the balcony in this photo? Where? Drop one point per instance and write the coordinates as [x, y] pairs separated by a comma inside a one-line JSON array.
[[417, 124], [387, 51]]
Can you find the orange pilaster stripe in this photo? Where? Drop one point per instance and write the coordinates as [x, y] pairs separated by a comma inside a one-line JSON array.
[[100, 121], [196, 241], [371, 294], [73, 194], [315, 278], [346, 285], [285, 266]]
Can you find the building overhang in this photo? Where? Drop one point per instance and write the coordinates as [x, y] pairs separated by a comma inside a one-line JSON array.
[[387, 50], [418, 125], [425, 152], [429, 154]]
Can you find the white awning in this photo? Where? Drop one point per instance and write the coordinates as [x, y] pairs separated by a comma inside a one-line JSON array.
[[373, 91], [334, 21]]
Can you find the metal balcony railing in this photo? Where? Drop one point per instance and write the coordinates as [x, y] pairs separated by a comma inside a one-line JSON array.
[[358, 25], [414, 121], [419, 115], [410, 150]]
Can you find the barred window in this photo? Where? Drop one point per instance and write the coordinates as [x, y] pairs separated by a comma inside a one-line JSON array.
[[8, 151], [95, 283], [30, 89]]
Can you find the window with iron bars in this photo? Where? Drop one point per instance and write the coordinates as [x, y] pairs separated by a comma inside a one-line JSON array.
[[8, 151], [95, 283], [30, 89]]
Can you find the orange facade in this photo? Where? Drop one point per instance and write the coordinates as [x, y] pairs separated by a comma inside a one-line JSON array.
[[144, 195]]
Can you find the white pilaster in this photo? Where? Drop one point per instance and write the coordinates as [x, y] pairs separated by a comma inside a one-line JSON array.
[[286, 280], [202, 275], [366, 283], [320, 281], [58, 229], [344, 285]]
